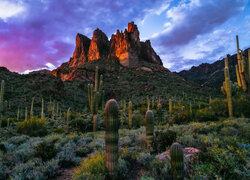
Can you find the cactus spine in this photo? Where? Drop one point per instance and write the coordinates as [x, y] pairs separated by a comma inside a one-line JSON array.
[[130, 114], [96, 96], [149, 120], [243, 71], [177, 161], [227, 88], [31, 108], [111, 136], [2, 98]]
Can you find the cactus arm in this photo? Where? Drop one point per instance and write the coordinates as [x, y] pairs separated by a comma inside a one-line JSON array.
[[31, 108], [238, 76]]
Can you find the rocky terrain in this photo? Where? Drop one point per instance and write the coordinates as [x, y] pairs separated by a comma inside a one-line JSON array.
[[124, 48], [211, 75]]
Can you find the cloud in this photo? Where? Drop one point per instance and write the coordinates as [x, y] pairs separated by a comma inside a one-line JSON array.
[[194, 32], [10, 9], [46, 32]]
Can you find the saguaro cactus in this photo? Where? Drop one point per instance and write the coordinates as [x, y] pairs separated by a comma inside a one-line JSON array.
[[2, 98], [170, 109], [67, 120], [31, 108], [149, 118], [96, 96], [111, 136], [148, 103], [26, 113], [227, 88], [177, 161], [42, 111], [130, 114], [243, 68]]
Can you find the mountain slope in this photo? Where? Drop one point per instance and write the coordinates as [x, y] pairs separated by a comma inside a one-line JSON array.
[[211, 75]]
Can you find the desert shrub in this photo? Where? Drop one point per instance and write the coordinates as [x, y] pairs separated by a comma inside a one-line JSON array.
[[203, 115], [160, 169], [144, 159], [35, 169], [46, 150], [67, 157], [33, 127], [241, 106], [4, 121], [60, 130], [92, 167], [83, 151], [82, 125], [229, 162], [163, 139], [183, 117], [219, 107]]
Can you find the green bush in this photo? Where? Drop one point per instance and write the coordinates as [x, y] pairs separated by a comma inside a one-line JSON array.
[[33, 127], [82, 125], [46, 150], [91, 168], [203, 115], [163, 139]]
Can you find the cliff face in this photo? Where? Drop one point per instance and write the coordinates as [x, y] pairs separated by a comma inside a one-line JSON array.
[[125, 46]]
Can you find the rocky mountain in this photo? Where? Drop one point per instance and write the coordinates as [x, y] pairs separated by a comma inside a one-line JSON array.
[[124, 48], [211, 75]]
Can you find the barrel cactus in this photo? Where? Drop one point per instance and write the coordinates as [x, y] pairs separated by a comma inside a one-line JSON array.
[[177, 161], [111, 136], [149, 118]]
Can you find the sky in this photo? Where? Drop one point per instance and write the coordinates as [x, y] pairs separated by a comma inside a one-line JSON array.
[[37, 34]]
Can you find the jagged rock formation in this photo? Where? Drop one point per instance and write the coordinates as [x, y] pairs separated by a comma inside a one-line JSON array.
[[125, 46]]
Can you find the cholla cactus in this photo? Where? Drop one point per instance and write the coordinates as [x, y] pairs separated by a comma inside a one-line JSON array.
[[96, 96], [243, 68], [111, 136], [149, 121], [130, 114], [177, 161], [227, 88]]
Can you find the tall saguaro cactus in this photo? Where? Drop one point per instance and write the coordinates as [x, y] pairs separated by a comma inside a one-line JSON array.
[[243, 68], [149, 118], [2, 98], [177, 161], [148, 103], [170, 109], [42, 111], [227, 88], [31, 108], [96, 96], [111, 136]]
